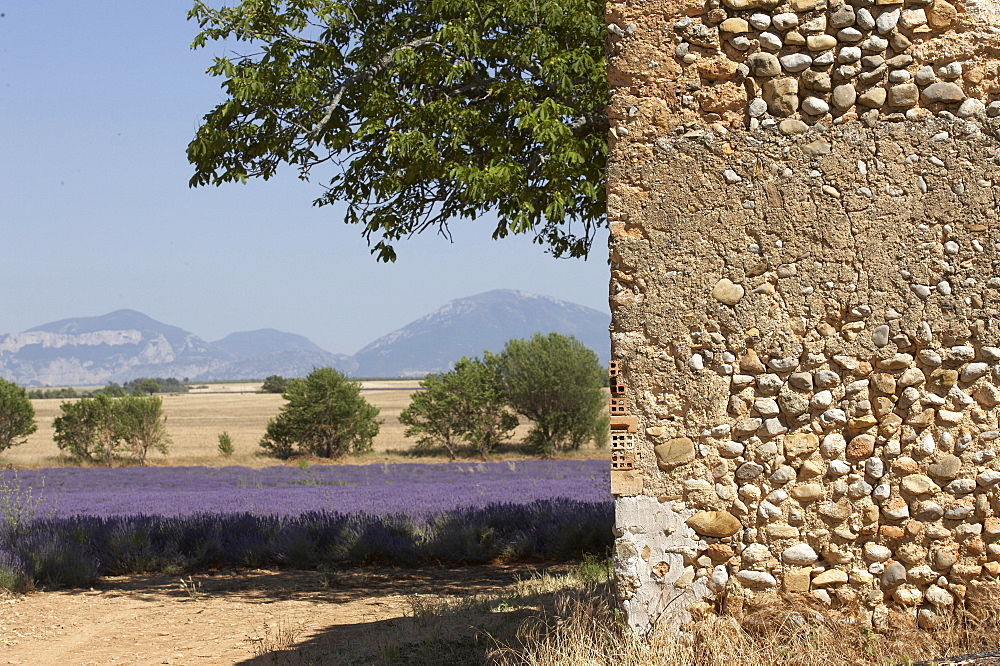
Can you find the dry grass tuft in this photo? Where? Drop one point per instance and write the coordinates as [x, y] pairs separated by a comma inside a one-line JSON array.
[[586, 629], [276, 640]]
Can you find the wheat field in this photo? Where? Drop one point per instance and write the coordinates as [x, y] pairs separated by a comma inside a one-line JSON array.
[[196, 419]]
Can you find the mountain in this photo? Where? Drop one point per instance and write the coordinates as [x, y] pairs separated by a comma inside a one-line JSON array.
[[467, 326], [123, 345], [270, 352], [115, 347], [126, 344]]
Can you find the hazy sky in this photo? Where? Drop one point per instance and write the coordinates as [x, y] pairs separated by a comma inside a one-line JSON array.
[[98, 100]]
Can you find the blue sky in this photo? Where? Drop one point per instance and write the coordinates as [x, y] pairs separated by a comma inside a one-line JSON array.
[[98, 101]]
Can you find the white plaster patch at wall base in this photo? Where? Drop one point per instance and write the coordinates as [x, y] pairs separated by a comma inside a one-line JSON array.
[[652, 542]]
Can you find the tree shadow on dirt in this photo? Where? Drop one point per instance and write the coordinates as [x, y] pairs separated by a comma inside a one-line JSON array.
[[468, 620], [327, 585]]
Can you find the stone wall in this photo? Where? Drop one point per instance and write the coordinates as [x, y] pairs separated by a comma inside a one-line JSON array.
[[803, 203]]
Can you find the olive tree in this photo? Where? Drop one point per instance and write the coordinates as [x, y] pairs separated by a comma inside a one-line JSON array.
[[466, 404], [325, 415], [17, 416], [558, 383]]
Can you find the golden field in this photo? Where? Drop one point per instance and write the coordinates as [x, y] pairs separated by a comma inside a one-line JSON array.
[[195, 420]]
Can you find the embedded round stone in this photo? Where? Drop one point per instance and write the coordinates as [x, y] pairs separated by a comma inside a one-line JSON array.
[[947, 468], [756, 578], [907, 596], [893, 575], [748, 471], [717, 524], [831, 577], [850, 35], [928, 511], [876, 552], [727, 292], [844, 96], [943, 91], [807, 492], [785, 21], [801, 443], [820, 42], [795, 62], [770, 41], [945, 378], [925, 76], [974, 371], [842, 16], [864, 19], [918, 484], [880, 336], [674, 452], [896, 509], [781, 95], [970, 107], [763, 64], [800, 553], [791, 126], [815, 106], [873, 98], [886, 21], [938, 596], [757, 108], [734, 25], [860, 447], [905, 94], [940, 14]]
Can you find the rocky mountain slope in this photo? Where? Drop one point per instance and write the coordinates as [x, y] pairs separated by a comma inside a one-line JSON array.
[[467, 326], [126, 344]]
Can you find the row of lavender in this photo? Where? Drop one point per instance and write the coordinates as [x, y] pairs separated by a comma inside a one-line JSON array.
[[90, 522]]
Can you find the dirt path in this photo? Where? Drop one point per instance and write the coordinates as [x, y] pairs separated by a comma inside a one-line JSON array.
[[230, 618]]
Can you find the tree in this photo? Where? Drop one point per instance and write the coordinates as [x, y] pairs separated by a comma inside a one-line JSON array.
[[142, 425], [114, 390], [557, 382], [151, 385], [142, 385], [465, 404], [17, 416], [274, 384], [424, 111], [107, 430], [325, 416], [87, 430]]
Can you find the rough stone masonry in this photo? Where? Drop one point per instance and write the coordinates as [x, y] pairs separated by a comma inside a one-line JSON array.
[[803, 200]]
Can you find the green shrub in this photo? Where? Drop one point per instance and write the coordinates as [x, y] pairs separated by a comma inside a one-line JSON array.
[[106, 430], [325, 416], [226, 448], [17, 416]]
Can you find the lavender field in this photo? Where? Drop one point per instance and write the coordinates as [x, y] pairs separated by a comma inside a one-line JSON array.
[[68, 526], [415, 489]]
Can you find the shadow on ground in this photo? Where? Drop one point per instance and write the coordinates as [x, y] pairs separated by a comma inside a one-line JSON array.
[[427, 615]]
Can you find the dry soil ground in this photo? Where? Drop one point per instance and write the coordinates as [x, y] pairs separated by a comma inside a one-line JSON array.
[[363, 616]]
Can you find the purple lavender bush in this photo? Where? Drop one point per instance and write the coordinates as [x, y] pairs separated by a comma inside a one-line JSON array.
[[128, 520]]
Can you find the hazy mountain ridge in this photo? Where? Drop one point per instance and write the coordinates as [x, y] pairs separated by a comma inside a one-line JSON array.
[[467, 326], [126, 344]]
